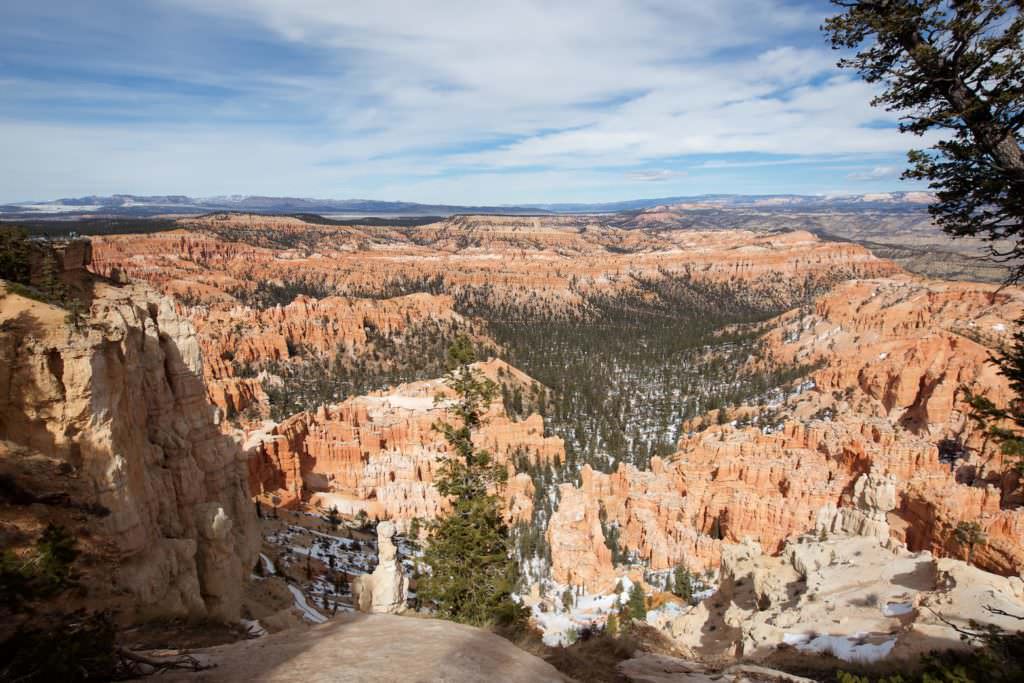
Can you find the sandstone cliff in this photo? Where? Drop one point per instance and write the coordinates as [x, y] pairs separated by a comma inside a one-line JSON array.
[[856, 597], [333, 330], [378, 453], [551, 264], [895, 354], [109, 430]]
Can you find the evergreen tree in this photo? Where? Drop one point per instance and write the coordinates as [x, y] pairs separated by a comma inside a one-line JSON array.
[[568, 598], [333, 517], [472, 573], [968, 535], [637, 602], [15, 255], [49, 278], [955, 67], [683, 583], [611, 626]]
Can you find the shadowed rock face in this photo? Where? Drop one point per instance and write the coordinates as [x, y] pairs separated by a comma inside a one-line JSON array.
[[375, 648], [112, 425]]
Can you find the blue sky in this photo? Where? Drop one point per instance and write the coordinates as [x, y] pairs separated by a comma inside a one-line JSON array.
[[458, 102]]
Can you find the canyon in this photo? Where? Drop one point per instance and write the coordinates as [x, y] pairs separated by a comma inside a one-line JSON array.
[[896, 352], [243, 364]]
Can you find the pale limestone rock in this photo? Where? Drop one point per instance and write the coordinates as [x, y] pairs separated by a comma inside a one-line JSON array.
[[655, 668], [373, 647], [385, 590], [874, 495], [121, 408], [861, 599]]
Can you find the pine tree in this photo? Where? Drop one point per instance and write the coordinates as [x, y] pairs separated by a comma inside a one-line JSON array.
[[637, 603], [472, 573], [683, 583], [968, 535], [49, 279], [954, 67], [568, 598], [611, 627]]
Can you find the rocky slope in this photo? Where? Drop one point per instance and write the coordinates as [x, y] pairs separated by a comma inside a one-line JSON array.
[[377, 454], [907, 234], [107, 430], [531, 263], [379, 648], [241, 341], [272, 294], [896, 353], [846, 591]]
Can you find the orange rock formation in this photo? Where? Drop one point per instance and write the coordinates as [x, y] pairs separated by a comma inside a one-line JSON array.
[[109, 428], [378, 453], [896, 353]]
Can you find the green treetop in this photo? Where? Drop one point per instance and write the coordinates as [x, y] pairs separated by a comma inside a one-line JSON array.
[[472, 574]]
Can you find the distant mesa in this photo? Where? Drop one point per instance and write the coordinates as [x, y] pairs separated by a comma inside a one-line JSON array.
[[153, 205]]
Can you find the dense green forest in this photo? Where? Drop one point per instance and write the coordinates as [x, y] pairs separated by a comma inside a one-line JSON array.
[[627, 373]]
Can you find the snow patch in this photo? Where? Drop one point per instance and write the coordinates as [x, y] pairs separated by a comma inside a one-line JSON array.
[[588, 611], [700, 596], [895, 609], [308, 613], [254, 628], [853, 648]]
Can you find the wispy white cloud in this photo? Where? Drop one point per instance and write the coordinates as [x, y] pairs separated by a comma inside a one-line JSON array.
[[876, 173], [412, 98], [658, 176]]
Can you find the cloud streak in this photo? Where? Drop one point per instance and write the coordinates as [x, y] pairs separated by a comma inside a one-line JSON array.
[[659, 176], [876, 173]]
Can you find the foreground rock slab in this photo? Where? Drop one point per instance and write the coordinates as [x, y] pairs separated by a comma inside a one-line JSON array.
[[654, 668], [375, 648]]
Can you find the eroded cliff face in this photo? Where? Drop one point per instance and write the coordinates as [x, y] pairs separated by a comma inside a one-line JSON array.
[[110, 429], [551, 264], [895, 353], [379, 453], [237, 276], [239, 341]]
